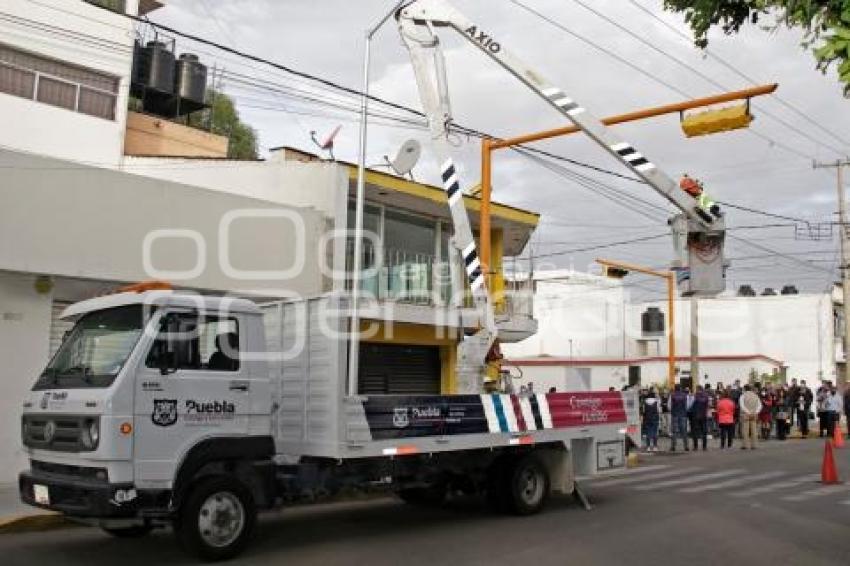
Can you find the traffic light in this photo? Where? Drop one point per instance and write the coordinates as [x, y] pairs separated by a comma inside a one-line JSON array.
[[615, 272], [716, 121]]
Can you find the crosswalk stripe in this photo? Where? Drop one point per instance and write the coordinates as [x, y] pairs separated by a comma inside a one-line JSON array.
[[629, 472], [777, 486], [643, 478], [691, 479], [812, 493], [733, 482]]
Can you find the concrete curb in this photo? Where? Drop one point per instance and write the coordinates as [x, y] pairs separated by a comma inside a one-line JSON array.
[[33, 523]]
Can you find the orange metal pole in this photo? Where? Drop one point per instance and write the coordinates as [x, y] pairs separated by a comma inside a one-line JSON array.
[[670, 276], [484, 213], [642, 114]]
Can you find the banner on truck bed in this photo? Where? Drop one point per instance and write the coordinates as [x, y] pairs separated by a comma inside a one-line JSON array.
[[401, 416]]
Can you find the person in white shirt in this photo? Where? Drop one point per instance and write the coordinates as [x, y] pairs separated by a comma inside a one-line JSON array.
[[833, 407], [750, 406]]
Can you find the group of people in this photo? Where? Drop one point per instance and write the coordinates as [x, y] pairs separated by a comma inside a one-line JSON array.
[[749, 412]]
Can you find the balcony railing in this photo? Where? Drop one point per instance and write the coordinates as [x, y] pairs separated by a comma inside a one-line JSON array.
[[403, 276]]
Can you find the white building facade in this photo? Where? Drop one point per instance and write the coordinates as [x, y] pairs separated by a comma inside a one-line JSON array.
[[590, 336]]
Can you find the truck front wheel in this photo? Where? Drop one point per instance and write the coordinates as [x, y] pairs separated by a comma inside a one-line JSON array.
[[216, 519]]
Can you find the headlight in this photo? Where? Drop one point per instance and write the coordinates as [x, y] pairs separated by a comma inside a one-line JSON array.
[[90, 435]]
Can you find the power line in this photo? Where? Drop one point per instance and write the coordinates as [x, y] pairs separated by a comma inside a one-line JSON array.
[[700, 74], [738, 72]]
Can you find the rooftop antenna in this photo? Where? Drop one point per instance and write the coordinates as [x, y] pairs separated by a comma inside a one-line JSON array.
[[405, 160], [328, 143]]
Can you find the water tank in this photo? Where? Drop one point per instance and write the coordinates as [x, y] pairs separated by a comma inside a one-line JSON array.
[[156, 67], [190, 78], [768, 292], [652, 321], [789, 290], [746, 291]]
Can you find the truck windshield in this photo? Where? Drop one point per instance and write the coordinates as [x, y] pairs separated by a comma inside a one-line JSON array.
[[95, 350]]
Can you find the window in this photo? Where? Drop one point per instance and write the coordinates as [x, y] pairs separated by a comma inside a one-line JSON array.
[[199, 343], [57, 83], [95, 350]]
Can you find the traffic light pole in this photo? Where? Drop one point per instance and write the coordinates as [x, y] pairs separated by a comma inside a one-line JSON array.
[[845, 258], [670, 276]]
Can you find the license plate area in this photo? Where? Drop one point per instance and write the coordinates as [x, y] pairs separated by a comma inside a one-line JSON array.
[[41, 494]]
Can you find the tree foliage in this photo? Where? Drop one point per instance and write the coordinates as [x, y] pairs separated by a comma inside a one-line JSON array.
[[825, 24], [223, 119]]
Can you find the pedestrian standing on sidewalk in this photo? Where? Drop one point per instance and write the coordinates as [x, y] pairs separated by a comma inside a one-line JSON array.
[[664, 398], [782, 412], [651, 419], [679, 417], [847, 406], [726, 419], [804, 405], [766, 414], [735, 395], [749, 405], [833, 409], [699, 414], [793, 394], [823, 394]]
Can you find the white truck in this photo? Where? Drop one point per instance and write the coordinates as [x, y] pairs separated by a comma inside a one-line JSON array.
[[169, 408], [163, 407]]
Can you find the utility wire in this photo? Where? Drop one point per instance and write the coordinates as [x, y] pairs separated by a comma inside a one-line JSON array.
[[702, 75], [741, 74]]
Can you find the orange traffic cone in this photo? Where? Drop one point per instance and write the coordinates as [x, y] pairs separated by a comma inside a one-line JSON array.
[[828, 473], [838, 436]]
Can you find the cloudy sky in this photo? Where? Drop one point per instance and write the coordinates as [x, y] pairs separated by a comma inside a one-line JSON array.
[[612, 56]]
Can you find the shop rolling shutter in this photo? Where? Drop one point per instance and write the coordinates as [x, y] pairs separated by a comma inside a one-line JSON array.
[[393, 369], [58, 327]]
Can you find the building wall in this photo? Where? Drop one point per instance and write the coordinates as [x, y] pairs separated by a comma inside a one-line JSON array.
[[24, 338], [796, 329], [152, 135], [567, 376], [46, 130], [579, 315], [93, 223]]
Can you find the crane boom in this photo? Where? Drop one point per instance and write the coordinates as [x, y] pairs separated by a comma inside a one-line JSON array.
[[701, 227]]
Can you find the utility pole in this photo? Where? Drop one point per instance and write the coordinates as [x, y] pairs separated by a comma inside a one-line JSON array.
[[694, 342], [845, 259]]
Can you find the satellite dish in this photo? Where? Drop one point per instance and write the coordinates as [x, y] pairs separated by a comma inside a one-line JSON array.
[[328, 143], [406, 158]]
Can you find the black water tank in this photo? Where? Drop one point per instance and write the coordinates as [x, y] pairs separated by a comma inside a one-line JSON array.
[[746, 291], [156, 67], [768, 292], [652, 321], [789, 290], [190, 78]]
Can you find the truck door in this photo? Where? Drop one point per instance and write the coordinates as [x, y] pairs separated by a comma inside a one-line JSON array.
[[191, 386]]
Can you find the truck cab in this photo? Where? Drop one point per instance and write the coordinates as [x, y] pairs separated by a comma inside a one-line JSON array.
[[146, 390]]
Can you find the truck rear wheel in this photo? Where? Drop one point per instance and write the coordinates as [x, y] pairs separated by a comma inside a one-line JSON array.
[[527, 486], [216, 519]]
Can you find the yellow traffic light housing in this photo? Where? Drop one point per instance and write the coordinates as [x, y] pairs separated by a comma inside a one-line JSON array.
[[615, 272], [716, 121]]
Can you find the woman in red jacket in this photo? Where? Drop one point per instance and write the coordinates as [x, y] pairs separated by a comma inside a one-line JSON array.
[[726, 420]]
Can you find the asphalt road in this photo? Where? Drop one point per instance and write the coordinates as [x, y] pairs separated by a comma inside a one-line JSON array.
[[714, 508]]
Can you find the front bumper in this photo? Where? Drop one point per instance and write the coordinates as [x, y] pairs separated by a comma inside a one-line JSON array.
[[80, 497]]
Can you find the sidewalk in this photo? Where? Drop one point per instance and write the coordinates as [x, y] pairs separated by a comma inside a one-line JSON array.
[[17, 517]]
